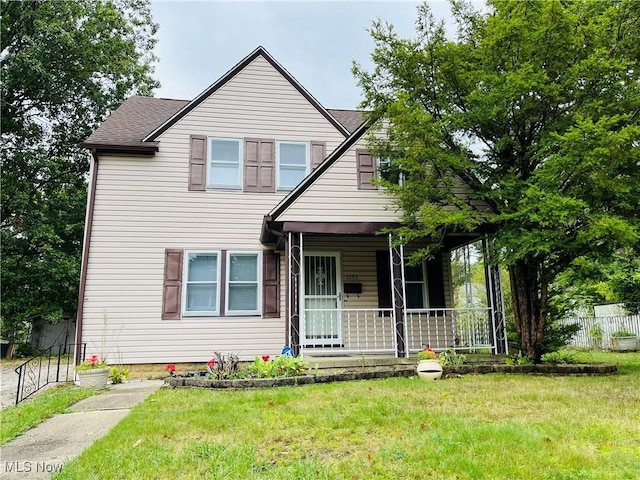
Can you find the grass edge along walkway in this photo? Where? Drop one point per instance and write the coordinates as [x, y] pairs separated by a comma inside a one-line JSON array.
[[17, 419]]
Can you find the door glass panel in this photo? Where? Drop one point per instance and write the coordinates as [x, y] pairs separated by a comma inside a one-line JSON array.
[[320, 273]]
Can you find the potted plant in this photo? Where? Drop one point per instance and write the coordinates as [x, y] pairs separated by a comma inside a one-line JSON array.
[[623, 340], [429, 367], [93, 373]]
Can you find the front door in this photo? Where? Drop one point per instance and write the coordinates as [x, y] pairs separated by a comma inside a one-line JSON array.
[[322, 299]]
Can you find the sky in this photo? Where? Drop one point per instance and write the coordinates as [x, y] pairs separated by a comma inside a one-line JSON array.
[[315, 41]]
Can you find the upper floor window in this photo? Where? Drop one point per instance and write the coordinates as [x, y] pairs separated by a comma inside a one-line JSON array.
[[293, 161], [225, 164], [389, 172]]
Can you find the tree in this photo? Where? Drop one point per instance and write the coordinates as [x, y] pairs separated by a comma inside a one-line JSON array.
[[65, 67], [590, 282], [535, 107]]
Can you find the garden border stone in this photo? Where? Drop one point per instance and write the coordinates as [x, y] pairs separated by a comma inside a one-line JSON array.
[[401, 371]]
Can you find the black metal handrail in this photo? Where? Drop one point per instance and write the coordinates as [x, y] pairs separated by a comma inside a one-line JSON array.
[[47, 367]]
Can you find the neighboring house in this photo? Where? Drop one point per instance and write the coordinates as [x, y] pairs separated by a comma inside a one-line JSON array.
[[245, 220]]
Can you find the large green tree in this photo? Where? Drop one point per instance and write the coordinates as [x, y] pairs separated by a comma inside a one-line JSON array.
[[535, 106], [65, 66]]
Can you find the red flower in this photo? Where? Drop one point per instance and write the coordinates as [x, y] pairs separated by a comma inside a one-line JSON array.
[[94, 360], [265, 358], [170, 368], [211, 363]]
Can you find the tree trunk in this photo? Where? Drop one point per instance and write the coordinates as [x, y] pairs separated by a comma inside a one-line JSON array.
[[530, 304]]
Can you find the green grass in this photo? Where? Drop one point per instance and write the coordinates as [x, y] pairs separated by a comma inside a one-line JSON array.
[[19, 418], [475, 427]]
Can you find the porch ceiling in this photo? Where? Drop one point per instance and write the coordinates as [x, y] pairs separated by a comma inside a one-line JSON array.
[[274, 232]]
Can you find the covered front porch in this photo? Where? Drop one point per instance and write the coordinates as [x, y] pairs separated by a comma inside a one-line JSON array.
[[350, 291]]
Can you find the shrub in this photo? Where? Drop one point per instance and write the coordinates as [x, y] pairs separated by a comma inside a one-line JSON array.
[[558, 336], [451, 357], [558, 357]]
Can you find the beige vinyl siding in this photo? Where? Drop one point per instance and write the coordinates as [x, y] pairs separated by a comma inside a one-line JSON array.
[[143, 206], [335, 197]]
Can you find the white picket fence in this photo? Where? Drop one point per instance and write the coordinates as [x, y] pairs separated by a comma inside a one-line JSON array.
[[596, 331]]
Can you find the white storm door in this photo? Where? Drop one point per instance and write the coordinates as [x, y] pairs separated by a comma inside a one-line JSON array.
[[322, 299]]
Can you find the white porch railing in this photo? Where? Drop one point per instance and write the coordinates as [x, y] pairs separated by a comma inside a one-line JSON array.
[[442, 328], [373, 330], [348, 331]]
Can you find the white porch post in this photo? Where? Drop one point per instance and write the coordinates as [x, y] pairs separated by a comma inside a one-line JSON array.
[[398, 294], [495, 299], [294, 252]]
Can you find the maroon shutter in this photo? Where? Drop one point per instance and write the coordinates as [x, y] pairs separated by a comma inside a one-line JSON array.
[[270, 284], [366, 168], [259, 165], [318, 152], [172, 286], [435, 282], [198, 163]]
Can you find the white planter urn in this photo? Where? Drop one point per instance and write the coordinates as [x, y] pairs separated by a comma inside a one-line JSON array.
[[93, 377], [429, 369]]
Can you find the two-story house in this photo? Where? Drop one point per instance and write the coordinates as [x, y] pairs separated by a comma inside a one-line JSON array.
[[245, 220]]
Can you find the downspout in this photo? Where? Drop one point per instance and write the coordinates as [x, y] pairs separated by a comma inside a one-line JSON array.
[[88, 224]]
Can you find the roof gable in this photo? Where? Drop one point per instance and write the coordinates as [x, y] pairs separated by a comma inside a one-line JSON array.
[[323, 167], [260, 51]]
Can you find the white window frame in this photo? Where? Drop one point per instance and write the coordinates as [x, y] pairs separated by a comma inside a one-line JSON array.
[[279, 164], [185, 276], [425, 290], [381, 161], [258, 310], [210, 183]]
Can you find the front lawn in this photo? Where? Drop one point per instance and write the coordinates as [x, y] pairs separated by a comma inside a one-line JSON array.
[[475, 427]]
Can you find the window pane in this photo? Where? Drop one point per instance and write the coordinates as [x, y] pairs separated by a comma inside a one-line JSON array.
[[225, 150], [203, 267], [225, 174], [415, 298], [413, 273], [293, 154], [243, 297], [291, 176], [201, 298], [243, 268]]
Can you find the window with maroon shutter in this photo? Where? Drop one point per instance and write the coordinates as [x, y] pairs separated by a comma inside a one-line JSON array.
[[270, 284], [318, 153], [172, 285], [366, 168], [198, 163], [259, 165]]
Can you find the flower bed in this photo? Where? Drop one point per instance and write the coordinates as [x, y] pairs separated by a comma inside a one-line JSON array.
[[201, 381]]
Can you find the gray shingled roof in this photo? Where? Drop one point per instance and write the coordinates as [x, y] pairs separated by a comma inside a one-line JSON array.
[[351, 119], [139, 116], [133, 121]]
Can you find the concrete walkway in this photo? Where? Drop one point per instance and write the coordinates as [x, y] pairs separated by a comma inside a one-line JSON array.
[[46, 448]]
